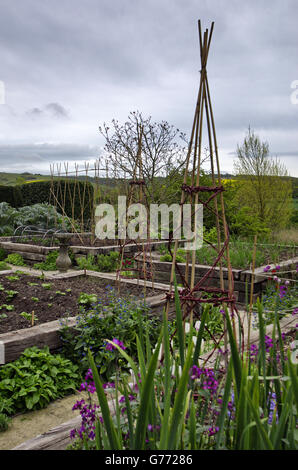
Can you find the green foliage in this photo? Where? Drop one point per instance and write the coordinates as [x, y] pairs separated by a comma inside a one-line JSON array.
[[112, 318], [167, 257], [252, 407], [4, 422], [16, 259], [211, 235], [87, 300], [102, 263], [50, 262], [8, 216], [87, 263], [4, 266], [28, 316], [3, 254], [107, 263], [42, 215], [246, 224], [35, 379], [11, 194], [40, 191], [265, 187]]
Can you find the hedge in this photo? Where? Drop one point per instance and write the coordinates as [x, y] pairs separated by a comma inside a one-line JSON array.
[[11, 194], [40, 191]]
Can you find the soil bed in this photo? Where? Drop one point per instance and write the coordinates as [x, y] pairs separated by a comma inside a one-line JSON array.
[[58, 298]]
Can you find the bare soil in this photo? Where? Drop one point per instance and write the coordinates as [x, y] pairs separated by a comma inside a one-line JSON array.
[[53, 299]]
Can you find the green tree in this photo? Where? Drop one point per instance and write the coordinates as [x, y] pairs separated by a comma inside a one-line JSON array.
[[266, 186]]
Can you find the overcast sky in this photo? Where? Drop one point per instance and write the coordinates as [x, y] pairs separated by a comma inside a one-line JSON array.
[[68, 66]]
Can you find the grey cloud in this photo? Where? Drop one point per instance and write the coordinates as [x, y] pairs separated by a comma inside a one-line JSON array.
[[15, 154], [55, 110], [93, 60]]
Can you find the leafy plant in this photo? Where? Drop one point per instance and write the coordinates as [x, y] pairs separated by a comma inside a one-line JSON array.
[[46, 285], [15, 259], [87, 299], [102, 263], [167, 257], [110, 317], [3, 254], [87, 262], [35, 379], [107, 263], [181, 405], [4, 422], [50, 262], [28, 316], [7, 307], [10, 294], [4, 266]]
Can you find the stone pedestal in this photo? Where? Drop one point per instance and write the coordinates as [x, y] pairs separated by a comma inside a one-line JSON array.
[[63, 261]]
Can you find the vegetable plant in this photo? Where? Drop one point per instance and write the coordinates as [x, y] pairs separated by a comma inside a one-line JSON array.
[[35, 379]]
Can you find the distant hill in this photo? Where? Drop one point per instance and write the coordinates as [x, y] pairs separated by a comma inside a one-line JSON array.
[[11, 179]]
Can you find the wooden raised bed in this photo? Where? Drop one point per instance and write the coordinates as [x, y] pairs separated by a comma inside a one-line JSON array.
[[242, 277], [13, 343]]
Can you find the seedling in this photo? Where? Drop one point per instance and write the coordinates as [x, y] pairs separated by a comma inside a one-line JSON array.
[[13, 278], [29, 316], [2, 316], [60, 293], [47, 286], [11, 294], [7, 307], [87, 299], [31, 284], [35, 299]]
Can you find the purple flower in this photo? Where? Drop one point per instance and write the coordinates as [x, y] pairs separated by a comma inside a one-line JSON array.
[[110, 346], [267, 268], [213, 430], [209, 380]]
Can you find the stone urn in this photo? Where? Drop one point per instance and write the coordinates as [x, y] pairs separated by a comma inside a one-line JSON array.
[[63, 261]]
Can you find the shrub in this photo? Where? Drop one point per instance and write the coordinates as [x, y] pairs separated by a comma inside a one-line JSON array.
[[50, 262], [35, 379], [8, 216], [3, 254], [167, 257], [103, 263], [11, 194], [4, 422], [107, 263], [3, 266], [247, 224], [40, 191], [113, 317], [16, 259], [41, 215], [87, 262]]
